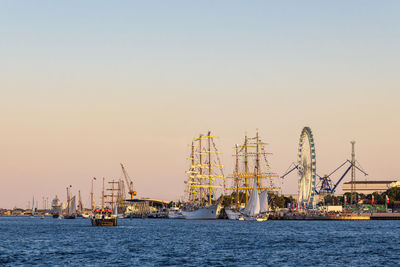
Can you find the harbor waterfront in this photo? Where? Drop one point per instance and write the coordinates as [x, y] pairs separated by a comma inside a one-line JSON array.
[[156, 242]]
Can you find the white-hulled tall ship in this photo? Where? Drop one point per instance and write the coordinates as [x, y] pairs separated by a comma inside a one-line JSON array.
[[205, 180], [250, 155]]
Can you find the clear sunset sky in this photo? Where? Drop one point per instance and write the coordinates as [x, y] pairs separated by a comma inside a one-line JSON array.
[[85, 85]]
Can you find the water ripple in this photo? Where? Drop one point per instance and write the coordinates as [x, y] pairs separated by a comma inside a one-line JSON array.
[[146, 242]]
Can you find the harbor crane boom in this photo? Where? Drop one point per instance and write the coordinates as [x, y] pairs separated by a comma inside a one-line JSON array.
[[326, 185], [129, 182]]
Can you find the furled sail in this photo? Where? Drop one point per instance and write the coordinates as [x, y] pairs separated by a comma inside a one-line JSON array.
[[72, 206], [264, 201]]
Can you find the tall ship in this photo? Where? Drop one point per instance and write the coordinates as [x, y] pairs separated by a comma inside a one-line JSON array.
[[205, 180], [70, 211], [56, 207], [250, 155], [103, 216]]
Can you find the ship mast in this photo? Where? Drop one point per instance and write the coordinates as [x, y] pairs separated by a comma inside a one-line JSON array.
[[201, 183], [209, 168], [111, 194], [92, 197], [201, 170], [237, 177], [246, 169], [102, 197], [68, 200], [191, 193], [258, 160], [80, 202]]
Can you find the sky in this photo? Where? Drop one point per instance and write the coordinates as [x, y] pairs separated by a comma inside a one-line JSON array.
[[85, 86]]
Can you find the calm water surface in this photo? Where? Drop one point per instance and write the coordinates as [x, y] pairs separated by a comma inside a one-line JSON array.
[[160, 242]]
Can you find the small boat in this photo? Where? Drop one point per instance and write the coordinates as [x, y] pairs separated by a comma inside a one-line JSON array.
[[71, 206], [85, 215], [71, 210], [103, 217], [33, 208], [56, 207], [42, 217], [232, 214], [257, 207], [175, 213]]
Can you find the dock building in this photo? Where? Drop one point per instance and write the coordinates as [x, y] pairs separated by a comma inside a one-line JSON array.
[[367, 187]]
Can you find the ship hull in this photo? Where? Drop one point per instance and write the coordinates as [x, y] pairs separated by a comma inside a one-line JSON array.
[[104, 222], [206, 213]]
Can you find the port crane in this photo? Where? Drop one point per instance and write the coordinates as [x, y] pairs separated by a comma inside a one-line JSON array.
[[129, 183], [325, 183]]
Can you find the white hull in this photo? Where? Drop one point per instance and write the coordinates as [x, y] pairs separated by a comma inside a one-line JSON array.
[[232, 215], [206, 213]]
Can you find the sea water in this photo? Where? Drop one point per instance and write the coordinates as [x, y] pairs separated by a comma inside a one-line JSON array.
[[162, 242]]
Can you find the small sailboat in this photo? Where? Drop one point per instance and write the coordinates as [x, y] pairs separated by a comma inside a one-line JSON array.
[[175, 213], [257, 207], [71, 206], [33, 207], [72, 209]]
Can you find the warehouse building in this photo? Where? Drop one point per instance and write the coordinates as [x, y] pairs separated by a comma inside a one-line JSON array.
[[367, 187]]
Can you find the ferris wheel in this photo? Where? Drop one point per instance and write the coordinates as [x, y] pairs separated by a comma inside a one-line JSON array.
[[306, 167]]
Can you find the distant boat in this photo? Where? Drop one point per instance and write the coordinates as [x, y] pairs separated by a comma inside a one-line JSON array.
[[56, 207], [33, 207], [71, 206], [103, 217], [71, 209], [175, 213]]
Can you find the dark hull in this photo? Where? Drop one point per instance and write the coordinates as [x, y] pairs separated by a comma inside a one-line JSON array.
[[69, 217], [104, 222], [55, 216]]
